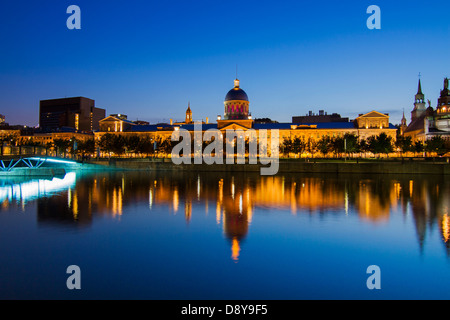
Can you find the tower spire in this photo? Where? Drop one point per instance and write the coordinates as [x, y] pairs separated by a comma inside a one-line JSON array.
[[419, 89], [419, 104], [189, 113]]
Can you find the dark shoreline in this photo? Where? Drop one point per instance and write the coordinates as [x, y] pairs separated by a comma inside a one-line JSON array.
[[288, 166]]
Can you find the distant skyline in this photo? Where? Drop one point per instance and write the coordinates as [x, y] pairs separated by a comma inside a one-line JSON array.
[[148, 59]]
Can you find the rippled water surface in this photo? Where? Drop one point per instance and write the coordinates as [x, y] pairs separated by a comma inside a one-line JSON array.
[[225, 236]]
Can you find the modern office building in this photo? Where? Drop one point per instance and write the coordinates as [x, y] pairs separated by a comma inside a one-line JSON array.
[[77, 113]]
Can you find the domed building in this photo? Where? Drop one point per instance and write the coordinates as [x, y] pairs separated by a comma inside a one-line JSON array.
[[236, 109], [236, 116], [236, 104]]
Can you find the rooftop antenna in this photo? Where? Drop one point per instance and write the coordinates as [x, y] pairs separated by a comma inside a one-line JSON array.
[[236, 71]]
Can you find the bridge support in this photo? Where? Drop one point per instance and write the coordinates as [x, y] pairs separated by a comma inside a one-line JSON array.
[[29, 162]]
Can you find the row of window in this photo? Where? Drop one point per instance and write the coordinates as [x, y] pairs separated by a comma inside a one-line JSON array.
[[236, 108]]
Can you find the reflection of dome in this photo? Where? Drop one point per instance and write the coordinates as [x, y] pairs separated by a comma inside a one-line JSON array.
[[236, 93]]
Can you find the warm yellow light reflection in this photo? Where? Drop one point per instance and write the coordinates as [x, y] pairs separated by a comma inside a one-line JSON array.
[[235, 249], [117, 202], [75, 206], [397, 190], [150, 199], [176, 200], [188, 210], [411, 185], [446, 227], [218, 213]]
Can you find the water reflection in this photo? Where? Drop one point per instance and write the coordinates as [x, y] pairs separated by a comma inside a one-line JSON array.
[[76, 199], [23, 190]]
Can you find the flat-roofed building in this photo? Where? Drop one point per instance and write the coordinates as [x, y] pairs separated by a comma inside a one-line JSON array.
[[322, 117], [78, 113]]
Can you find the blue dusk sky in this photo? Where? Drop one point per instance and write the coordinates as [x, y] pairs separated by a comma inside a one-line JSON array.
[[147, 59]]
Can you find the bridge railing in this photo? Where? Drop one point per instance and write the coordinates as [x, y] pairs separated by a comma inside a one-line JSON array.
[[7, 152], [8, 165]]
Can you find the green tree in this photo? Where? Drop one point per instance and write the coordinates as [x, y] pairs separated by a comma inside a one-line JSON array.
[[118, 145], [404, 144], [62, 146], [286, 147], [436, 144], [418, 147], [298, 146], [337, 145], [86, 146], [324, 145], [112, 143], [145, 146], [380, 144], [9, 139], [311, 146], [132, 143], [166, 145], [363, 146], [351, 143], [31, 142]]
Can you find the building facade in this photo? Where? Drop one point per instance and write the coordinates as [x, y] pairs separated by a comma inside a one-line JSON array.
[[78, 113], [427, 122], [237, 116], [319, 118]]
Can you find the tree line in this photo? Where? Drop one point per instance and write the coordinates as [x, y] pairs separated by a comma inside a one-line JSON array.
[[139, 146], [351, 144]]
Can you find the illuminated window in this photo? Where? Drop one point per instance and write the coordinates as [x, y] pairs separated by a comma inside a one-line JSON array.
[[77, 121]]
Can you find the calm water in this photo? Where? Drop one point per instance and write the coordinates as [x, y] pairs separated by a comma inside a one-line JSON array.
[[224, 236]]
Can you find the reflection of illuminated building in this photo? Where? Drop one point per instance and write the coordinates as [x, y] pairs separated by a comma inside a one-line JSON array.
[[307, 194], [445, 225], [117, 201], [235, 249], [34, 189], [235, 198], [235, 211], [188, 210], [57, 209], [371, 205], [235, 222], [69, 207], [444, 222]]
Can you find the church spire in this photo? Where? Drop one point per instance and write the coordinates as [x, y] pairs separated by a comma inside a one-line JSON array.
[[188, 114], [419, 102]]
